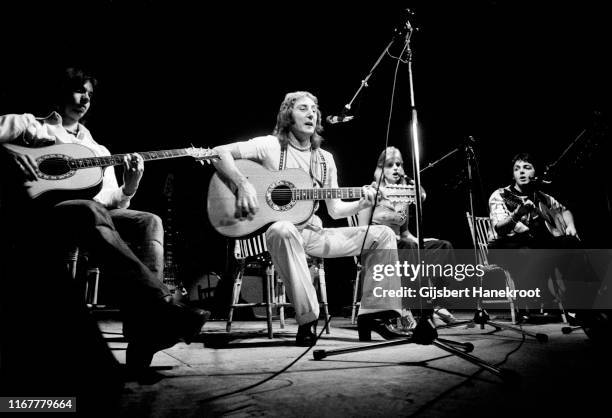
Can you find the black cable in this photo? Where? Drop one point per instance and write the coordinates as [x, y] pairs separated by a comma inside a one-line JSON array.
[[278, 373], [380, 177], [468, 379]]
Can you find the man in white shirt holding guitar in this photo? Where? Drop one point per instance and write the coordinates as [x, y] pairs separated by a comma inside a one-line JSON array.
[[295, 144], [103, 225]]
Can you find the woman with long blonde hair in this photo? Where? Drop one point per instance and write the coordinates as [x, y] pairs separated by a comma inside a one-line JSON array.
[[390, 171]]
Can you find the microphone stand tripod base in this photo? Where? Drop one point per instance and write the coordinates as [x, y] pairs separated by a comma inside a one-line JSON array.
[[425, 334], [481, 317]]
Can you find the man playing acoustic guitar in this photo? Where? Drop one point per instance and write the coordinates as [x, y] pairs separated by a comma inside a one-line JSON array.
[[524, 217], [103, 225], [295, 143]]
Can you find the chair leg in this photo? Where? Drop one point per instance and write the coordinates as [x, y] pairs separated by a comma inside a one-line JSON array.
[[563, 315], [282, 299], [558, 289], [323, 291], [512, 312], [355, 295], [269, 298], [510, 285], [93, 278], [235, 297]]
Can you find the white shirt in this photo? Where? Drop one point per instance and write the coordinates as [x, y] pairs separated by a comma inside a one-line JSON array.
[[12, 128]]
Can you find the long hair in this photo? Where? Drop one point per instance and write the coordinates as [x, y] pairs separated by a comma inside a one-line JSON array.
[[390, 152], [284, 119], [70, 80]]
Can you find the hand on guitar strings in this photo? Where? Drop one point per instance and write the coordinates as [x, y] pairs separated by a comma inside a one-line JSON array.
[[571, 231], [27, 165], [34, 135], [247, 204], [526, 208], [133, 165]]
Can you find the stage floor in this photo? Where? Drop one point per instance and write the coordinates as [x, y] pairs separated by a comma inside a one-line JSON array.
[[558, 377]]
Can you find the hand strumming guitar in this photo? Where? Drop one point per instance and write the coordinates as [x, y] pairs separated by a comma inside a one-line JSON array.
[[247, 204], [571, 231], [524, 209], [27, 165], [34, 135]]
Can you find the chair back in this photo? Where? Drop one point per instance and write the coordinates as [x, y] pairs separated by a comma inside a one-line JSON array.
[[250, 247], [482, 232]]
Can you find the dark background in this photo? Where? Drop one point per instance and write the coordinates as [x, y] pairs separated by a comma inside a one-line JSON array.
[[514, 75]]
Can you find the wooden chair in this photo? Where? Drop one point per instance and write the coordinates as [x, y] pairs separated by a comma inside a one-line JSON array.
[[482, 233], [354, 221], [253, 252]]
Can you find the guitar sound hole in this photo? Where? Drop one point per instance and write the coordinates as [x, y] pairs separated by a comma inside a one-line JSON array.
[[54, 166], [281, 195]]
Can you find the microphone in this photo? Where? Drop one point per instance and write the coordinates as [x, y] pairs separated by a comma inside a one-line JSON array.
[[332, 120], [541, 180], [468, 144]]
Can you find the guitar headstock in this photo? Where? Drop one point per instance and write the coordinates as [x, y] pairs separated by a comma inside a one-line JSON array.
[[202, 155], [403, 193]]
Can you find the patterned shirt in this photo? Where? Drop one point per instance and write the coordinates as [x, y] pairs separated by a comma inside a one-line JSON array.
[[504, 201]]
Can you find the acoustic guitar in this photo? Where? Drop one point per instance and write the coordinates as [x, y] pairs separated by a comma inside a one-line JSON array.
[[553, 219], [283, 195], [74, 171]]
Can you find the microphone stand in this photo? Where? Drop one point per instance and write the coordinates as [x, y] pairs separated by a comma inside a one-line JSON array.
[[439, 160], [469, 155], [397, 31], [551, 166], [364, 82], [425, 332]]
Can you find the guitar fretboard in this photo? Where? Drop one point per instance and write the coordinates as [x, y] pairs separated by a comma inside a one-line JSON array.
[[117, 159], [322, 194]]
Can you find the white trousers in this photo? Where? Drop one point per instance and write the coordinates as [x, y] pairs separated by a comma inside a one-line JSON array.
[[288, 247]]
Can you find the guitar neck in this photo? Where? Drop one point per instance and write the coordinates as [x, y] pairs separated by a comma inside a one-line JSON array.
[[117, 159], [327, 193]]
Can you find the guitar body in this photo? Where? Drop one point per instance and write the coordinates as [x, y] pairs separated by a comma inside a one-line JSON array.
[[73, 171], [54, 174], [271, 188], [553, 219]]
